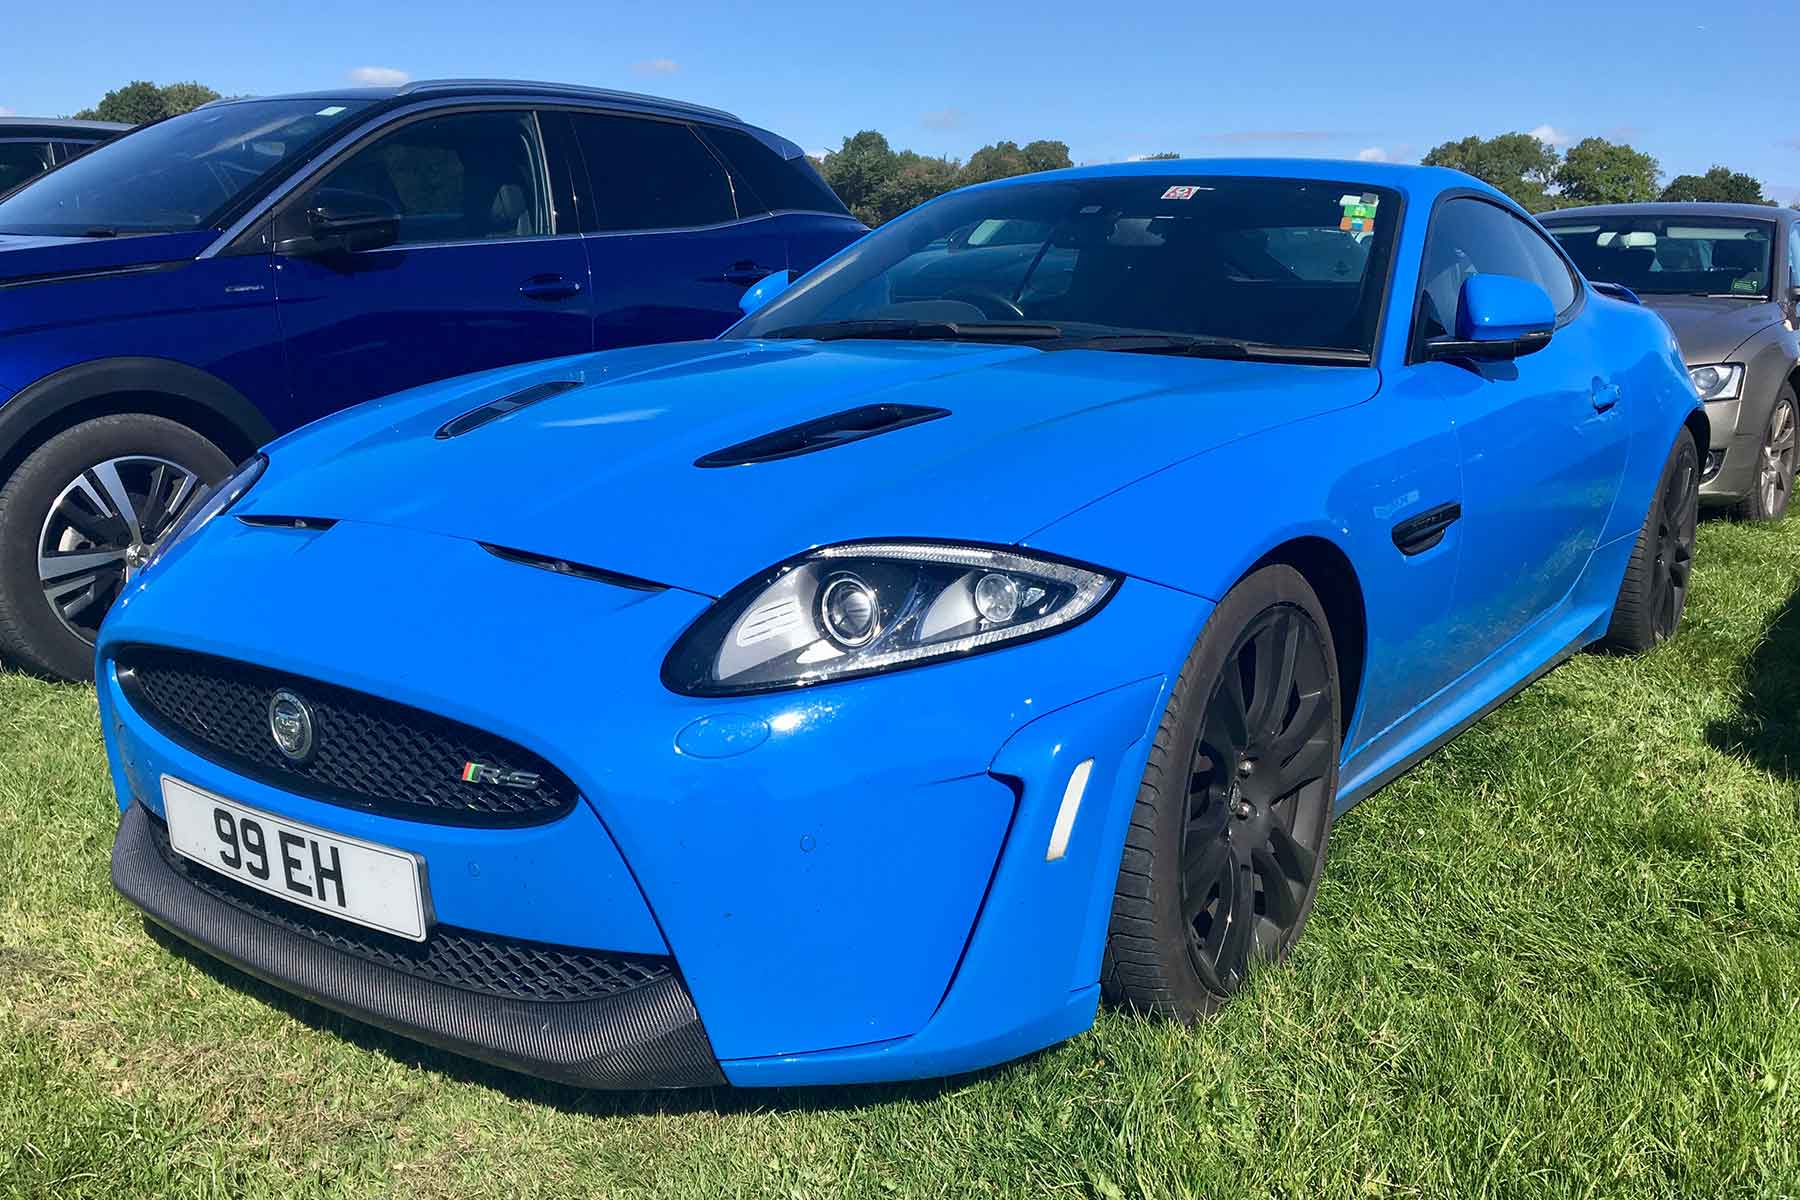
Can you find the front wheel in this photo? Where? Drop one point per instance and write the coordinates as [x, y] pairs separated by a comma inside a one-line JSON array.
[[1227, 841], [1773, 485], [78, 518]]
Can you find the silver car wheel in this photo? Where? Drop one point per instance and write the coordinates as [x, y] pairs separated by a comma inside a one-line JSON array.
[[1775, 479], [102, 528]]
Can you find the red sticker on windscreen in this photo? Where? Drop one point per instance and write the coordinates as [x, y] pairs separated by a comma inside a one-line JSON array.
[[1181, 192]]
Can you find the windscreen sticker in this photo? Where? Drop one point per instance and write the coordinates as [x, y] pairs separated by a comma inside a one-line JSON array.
[[330, 111], [1359, 212], [1745, 285], [1181, 192]]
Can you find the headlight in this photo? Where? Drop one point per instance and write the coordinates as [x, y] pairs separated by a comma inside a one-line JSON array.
[[1722, 382], [862, 607], [209, 504]]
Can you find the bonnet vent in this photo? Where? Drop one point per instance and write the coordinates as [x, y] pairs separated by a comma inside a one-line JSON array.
[[822, 433], [493, 410]]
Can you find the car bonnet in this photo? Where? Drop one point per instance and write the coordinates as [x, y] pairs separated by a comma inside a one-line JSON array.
[[596, 460]]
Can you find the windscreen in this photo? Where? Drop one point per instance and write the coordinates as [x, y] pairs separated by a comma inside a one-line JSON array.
[[1665, 255]]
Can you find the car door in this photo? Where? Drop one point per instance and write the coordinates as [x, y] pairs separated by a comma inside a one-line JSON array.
[[670, 250], [1543, 438], [483, 272]]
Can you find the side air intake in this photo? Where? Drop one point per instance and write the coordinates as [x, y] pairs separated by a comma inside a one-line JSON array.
[[822, 433], [493, 410]]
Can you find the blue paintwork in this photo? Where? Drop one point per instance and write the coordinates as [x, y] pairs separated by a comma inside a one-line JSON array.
[[853, 877], [298, 338], [1501, 308], [763, 291]]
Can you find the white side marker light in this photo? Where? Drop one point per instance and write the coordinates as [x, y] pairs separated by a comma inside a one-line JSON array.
[[1065, 816]]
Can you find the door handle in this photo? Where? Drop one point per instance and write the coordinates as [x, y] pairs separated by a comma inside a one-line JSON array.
[[1416, 535], [744, 272], [1605, 395], [550, 287]]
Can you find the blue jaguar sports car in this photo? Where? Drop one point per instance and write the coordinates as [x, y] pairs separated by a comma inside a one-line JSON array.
[[869, 692]]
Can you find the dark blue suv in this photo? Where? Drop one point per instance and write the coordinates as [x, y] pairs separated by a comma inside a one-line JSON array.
[[177, 297]]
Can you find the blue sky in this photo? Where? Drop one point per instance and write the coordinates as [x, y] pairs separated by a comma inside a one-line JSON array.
[[1692, 84]]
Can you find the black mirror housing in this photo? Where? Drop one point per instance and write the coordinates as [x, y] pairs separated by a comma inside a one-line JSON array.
[[334, 230]]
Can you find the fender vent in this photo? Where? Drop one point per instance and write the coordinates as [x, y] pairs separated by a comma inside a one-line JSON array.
[[493, 410], [822, 433]]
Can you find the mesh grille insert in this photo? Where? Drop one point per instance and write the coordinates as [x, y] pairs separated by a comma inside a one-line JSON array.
[[460, 958], [367, 752]]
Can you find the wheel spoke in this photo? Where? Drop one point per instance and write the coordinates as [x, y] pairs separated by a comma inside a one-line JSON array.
[[108, 475], [59, 566], [1207, 862], [1309, 717], [1276, 648], [1227, 729]]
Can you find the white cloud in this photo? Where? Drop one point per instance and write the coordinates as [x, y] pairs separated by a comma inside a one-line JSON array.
[[1371, 154], [656, 66], [943, 118], [8, 112], [378, 76], [818, 154], [1551, 135]]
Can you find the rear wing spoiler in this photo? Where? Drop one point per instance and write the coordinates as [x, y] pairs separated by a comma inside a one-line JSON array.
[[1617, 291]]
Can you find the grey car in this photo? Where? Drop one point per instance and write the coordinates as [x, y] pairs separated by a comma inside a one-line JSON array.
[[1726, 277]]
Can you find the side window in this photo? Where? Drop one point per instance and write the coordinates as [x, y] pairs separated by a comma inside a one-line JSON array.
[[647, 174], [1473, 237], [461, 178], [1549, 271], [1793, 279], [775, 183]]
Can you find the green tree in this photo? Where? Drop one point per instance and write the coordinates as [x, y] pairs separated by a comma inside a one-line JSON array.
[[1003, 160], [1596, 171], [879, 183], [1720, 185], [1517, 163], [141, 101], [861, 171]]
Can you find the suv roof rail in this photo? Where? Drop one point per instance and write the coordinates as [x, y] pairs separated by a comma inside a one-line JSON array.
[[562, 89]]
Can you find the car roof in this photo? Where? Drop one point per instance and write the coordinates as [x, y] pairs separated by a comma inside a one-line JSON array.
[[1416, 181], [508, 87], [1672, 208], [16, 126]]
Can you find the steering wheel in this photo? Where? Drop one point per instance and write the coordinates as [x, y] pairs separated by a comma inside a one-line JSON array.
[[993, 305]]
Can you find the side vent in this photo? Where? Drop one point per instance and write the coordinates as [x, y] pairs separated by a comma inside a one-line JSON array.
[[259, 521], [822, 433], [493, 410], [562, 566]]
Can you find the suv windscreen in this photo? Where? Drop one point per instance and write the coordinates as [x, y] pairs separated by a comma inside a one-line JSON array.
[[21, 160], [176, 175], [1672, 255], [1280, 262]]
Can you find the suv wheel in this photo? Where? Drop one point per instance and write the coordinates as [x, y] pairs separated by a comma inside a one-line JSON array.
[[77, 520]]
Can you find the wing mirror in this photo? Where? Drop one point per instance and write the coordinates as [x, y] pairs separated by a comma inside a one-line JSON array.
[[1500, 317], [764, 290], [343, 226]]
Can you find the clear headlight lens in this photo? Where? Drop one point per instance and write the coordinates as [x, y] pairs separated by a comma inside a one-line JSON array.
[[1724, 381], [209, 504], [862, 607]]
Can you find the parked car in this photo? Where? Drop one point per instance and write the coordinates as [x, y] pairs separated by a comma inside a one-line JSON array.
[[1727, 279], [863, 695], [29, 146], [177, 298]]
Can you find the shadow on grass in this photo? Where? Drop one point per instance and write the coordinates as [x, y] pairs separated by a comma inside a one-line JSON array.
[[1766, 727], [720, 1100]]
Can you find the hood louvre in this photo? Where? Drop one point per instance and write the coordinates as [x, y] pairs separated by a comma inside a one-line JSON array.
[[493, 410], [822, 433]]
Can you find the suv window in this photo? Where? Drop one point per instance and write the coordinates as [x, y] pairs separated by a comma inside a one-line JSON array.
[[649, 174], [1793, 279], [20, 161], [461, 178], [1472, 237], [773, 183]]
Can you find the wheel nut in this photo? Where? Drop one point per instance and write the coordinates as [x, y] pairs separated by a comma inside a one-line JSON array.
[[1245, 767], [1242, 810]]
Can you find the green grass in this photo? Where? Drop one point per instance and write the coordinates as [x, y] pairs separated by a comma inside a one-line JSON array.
[[1562, 958]]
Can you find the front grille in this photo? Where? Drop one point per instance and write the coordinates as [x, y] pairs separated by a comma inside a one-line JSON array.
[[460, 958], [367, 752]]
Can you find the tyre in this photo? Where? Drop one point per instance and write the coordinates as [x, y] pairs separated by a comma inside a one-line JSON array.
[[1773, 485], [1227, 841], [1654, 593], [78, 518]]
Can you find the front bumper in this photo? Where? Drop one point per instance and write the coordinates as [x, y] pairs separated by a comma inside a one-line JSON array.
[[860, 891], [642, 1037]]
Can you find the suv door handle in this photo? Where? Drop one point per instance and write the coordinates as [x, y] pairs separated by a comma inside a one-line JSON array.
[[745, 272], [1605, 395], [550, 287]]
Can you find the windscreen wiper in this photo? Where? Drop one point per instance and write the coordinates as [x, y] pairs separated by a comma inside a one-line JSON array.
[[1197, 346], [942, 331]]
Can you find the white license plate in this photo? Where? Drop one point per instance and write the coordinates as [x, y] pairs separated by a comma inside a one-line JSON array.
[[328, 872]]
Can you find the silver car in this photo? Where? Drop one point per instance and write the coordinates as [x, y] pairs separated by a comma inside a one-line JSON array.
[[1726, 277]]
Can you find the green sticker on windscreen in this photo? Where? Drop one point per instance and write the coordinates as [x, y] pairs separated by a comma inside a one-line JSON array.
[[1748, 286]]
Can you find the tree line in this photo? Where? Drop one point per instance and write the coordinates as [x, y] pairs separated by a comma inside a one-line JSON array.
[[879, 183]]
